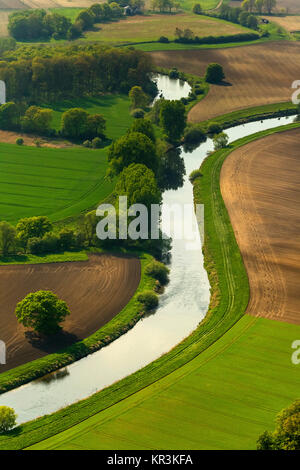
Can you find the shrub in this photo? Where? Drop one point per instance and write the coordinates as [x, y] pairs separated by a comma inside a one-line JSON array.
[[7, 418], [19, 141], [194, 175], [214, 128], [163, 39], [138, 113], [67, 239], [220, 141], [197, 9], [96, 143], [87, 144], [194, 134], [159, 271], [174, 73], [149, 300], [214, 73]]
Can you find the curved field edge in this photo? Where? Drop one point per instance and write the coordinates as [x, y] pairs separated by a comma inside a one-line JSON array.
[[119, 325], [229, 299]]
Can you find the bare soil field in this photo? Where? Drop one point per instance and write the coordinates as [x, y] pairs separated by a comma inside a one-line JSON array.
[[255, 75], [10, 137], [260, 184], [293, 6], [290, 23], [95, 291]]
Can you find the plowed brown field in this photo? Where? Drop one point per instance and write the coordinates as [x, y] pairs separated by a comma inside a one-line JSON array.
[[255, 75], [95, 291], [260, 184]]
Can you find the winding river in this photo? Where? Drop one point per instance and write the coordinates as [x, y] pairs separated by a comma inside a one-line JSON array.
[[182, 306]]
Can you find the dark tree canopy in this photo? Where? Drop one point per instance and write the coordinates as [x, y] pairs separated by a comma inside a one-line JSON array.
[[214, 73], [132, 148], [173, 119]]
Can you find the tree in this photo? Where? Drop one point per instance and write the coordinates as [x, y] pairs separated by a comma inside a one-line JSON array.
[[32, 227], [132, 148], [197, 9], [143, 126], [220, 141], [138, 98], [86, 19], [9, 116], [214, 73], [7, 237], [37, 119], [173, 119], [269, 5], [259, 4], [7, 418], [43, 311], [76, 123], [287, 432], [252, 22], [139, 184]]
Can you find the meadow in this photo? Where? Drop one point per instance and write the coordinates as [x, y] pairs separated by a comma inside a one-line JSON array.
[[223, 399], [151, 27], [55, 182], [115, 108]]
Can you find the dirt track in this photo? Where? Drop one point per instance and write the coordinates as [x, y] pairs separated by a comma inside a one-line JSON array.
[[95, 291], [255, 75], [260, 184]]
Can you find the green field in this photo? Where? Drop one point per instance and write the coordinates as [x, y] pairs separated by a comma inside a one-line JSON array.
[[115, 109], [223, 399], [138, 29], [205, 4], [55, 182]]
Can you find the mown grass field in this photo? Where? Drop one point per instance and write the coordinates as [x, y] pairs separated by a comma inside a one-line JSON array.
[[223, 399], [115, 109], [55, 182], [151, 27]]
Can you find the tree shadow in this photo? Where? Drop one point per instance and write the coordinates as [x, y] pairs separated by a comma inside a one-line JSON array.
[[53, 343]]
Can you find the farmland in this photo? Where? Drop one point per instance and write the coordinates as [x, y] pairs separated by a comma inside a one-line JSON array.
[[75, 283], [251, 77], [150, 28], [223, 399], [262, 203], [53, 182]]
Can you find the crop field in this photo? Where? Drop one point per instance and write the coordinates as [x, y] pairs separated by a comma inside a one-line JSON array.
[[290, 23], [223, 399], [95, 291], [53, 182], [23, 4], [115, 109], [256, 75], [260, 187], [150, 28], [293, 6]]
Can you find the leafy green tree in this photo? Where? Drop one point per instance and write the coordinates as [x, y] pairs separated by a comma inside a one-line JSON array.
[[138, 98], [252, 22], [8, 418], [139, 184], [95, 126], [197, 9], [37, 119], [269, 5], [7, 237], [76, 123], [158, 271], [144, 126], [243, 18], [32, 227], [220, 141], [214, 73], [287, 432], [86, 19], [43, 311], [259, 5], [132, 148], [57, 25], [173, 119], [148, 299]]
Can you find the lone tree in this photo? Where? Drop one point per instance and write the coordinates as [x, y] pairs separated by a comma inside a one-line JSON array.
[[7, 418], [214, 73], [197, 9], [138, 98], [43, 311]]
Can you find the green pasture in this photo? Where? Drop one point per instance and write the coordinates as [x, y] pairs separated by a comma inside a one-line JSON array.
[[223, 399], [55, 182], [115, 108]]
